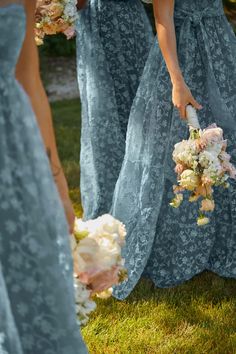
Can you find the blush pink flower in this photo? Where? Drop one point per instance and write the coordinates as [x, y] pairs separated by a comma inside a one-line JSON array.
[[229, 168], [232, 172], [224, 156], [212, 134], [179, 168], [100, 280], [207, 205]]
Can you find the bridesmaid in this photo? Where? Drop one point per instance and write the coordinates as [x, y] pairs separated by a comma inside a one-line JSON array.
[[28, 68], [36, 282], [113, 42], [193, 62]]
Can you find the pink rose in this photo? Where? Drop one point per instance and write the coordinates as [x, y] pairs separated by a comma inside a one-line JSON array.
[[232, 171], [207, 205], [229, 168], [100, 280], [179, 168], [224, 156], [212, 134]]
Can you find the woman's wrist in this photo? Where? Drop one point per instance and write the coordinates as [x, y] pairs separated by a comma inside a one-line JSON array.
[[177, 80], [54, 163], [176, 77]]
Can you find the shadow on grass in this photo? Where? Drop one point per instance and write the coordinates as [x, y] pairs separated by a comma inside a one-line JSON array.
[[196, 317], [206, 285]]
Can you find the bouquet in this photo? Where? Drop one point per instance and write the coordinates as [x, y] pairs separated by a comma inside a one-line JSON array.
[[98, 264], [201, 164], [55, 16]]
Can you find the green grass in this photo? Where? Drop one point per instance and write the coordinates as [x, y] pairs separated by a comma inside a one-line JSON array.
[[198, 317], [66, 116]]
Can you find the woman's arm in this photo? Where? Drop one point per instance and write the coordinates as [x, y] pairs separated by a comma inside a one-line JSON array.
[[164, 18], [28, 73]]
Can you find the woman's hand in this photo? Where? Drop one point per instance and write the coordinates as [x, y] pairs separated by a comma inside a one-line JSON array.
[[165, 25], [63, 190], [81, 4], [181, 97]]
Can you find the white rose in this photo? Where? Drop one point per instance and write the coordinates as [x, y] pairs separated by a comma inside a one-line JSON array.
[[107, 224], [179, 149]]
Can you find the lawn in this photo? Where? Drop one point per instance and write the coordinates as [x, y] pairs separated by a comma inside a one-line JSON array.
[[198, 317]]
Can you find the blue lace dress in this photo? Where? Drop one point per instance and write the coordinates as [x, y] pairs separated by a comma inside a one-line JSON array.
[[37, 306], [113, 42], [163, 243]]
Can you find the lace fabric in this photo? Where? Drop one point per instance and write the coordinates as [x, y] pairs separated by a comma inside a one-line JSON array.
[[37, 304], [121, 36], [165, 244]]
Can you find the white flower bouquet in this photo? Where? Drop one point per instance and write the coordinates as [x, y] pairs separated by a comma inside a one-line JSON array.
[[98, 264], [55, 16], [201, 164]]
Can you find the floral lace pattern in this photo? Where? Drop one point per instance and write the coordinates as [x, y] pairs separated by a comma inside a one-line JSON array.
[[37, 296], [113, 42], [164, 243]]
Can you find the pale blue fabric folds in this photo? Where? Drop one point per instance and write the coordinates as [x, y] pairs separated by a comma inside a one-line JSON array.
[[36, 282], [9, 337], [165, 244], [113, 42]]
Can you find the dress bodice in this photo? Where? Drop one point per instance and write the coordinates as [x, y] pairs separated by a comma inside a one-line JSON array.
[[12, 32], [198, 8]]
